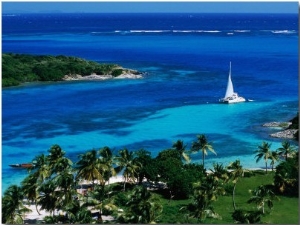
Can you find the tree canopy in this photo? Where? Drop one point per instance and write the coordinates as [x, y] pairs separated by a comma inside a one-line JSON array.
[[156, 188], [20, 68]]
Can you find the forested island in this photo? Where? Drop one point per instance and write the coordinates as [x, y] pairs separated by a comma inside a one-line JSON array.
[[21, 68]]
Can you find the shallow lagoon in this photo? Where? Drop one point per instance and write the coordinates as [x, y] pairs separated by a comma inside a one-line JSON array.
[[88, 117], [186, 74]]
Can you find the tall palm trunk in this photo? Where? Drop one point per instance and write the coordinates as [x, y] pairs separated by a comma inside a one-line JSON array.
[[266, 167], [203, 156], [233, 195], [124, 184], [36, 207]]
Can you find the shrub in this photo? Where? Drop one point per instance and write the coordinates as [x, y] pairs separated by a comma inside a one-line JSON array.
[[117, 72], [286, 177], [242, 216], [120, 199]]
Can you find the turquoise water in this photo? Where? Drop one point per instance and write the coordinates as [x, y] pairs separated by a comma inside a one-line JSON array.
[[186, 61], [65, 119]]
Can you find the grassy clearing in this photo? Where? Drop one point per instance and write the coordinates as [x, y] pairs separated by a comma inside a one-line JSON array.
[[285, 210]]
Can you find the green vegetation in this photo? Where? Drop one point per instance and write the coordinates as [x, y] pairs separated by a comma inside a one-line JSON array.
[[20, 68], [295, 125], [202, 145], [295, 122], [264, 152], [286, 176], [165, 189], [284, 211]]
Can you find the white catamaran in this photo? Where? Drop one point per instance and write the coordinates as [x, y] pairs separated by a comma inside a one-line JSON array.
[[231, 96]]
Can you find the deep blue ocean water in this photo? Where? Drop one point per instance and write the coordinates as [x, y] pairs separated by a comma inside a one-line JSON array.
[[185, 58]]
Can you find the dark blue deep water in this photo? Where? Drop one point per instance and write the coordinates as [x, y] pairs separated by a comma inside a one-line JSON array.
[[185, 58]]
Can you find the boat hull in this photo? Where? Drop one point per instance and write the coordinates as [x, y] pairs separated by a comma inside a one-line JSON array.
[[22, 165], [232, 101]]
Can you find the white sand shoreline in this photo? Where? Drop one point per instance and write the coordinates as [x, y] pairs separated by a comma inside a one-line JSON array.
[[33, 216], [129, 75]]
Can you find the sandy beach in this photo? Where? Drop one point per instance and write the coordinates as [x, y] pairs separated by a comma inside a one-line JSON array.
[[33, 216], [101, 77]]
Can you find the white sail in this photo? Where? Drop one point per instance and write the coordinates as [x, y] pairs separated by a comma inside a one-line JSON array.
[[229, 90], [230, 96]]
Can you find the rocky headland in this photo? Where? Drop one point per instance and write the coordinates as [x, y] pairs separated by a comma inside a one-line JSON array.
[[287, 131]]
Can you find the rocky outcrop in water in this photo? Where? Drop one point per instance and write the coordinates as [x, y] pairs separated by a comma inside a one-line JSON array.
[[285, 134], [277, 124]]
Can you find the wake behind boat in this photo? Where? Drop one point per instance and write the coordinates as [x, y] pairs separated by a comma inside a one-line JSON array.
[[231, 96]]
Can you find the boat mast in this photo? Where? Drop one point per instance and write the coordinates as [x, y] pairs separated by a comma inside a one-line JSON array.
[[229, 89]]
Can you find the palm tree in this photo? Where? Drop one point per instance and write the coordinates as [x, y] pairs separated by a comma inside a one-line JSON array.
[[41, 168], [286, 179], [98, 201], [202, 145], [48, 196], [61, 177], [125, 160], [274, 157], [261, 195], [55, 153], [236, 171], [106, 154], [61, 165], [205, 193], [64, 182], [88, 167], [12, 206], [31, 183], [77, 213], [180, 147], [220, 173], [84, 216], [286, 149], [143, 157], [57, 162], [264, 152], [282, 181], [30, 189], [107, 158], [143, 207]]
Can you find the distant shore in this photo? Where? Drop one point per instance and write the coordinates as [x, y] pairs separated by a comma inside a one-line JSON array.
[[127, 75], [22, 68]]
